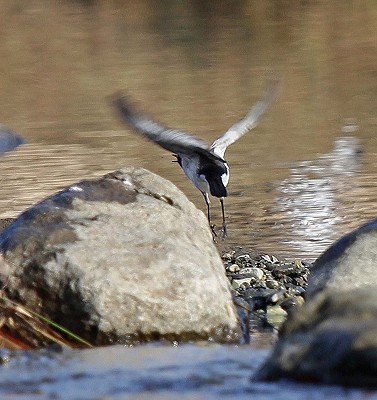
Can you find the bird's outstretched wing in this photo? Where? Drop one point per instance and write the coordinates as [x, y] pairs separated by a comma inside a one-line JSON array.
[[249, 122], [174, 140]]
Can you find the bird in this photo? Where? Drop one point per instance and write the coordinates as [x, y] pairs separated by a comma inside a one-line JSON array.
[[204, 165]]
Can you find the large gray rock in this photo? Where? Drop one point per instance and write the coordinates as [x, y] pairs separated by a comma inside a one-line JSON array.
[[333, 337], [121, 258]]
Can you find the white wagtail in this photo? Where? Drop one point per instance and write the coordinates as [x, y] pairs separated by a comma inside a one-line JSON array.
[[204, 165]]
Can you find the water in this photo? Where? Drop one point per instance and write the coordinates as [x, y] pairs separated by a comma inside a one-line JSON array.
[[297, 182], [153, 372], [303, 178]]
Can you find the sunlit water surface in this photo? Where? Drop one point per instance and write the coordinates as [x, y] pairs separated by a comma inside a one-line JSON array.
[[301, 179]]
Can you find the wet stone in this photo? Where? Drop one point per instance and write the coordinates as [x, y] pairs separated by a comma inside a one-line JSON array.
[[258, 302], [238, 283], [227, 257], [291, 302], [294, 290], [259, 285], [275, 298], [269, 259], [272, 284], [294, 269], [300, 291], [298, 281], [243, 260]]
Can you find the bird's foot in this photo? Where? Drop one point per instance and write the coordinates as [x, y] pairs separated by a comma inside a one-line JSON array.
[[218, 234], [214, 233], [224, 232]]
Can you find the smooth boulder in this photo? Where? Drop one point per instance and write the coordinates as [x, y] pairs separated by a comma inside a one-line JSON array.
[[124, 258], [332, 339]]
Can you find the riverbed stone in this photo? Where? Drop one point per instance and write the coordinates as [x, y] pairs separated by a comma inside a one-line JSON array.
[[233, 268], [238, 283], [9, 140], [332, 338], [253, 272], [124, 258]]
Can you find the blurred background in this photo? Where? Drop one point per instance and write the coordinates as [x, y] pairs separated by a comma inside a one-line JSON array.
[[301, 179]]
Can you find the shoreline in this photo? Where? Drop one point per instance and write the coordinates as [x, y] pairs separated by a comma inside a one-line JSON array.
[[267, 287]]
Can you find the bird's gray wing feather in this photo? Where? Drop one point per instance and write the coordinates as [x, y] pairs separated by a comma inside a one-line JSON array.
[[174, 140], [249, 122]]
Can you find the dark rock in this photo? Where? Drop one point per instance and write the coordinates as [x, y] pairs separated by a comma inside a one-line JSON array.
[[260, 298], [331, 339], [294, 290], [272, 284], [9, 140], [243, 260], [298, 281], [123, 258], [4, 222], [291, 302]]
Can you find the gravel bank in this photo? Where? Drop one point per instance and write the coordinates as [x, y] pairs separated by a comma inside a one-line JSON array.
[[266, 286]]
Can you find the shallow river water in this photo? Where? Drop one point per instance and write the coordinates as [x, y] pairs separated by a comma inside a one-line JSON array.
[[154, 372], [301, 179]]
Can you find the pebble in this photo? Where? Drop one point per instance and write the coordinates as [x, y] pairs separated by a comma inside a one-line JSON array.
[[227, 257], [267, 284], [253, 272], [291, 302], [238, 283], [274, 298], [272, 284], [243, 260], [298, 281], [276, 315], [270, 259], [234, 268]]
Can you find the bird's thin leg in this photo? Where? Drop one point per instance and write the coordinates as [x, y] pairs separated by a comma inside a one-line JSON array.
[[224, 234], [206, 198]]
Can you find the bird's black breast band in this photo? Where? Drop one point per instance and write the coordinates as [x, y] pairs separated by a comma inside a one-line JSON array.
[[213, 170]]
